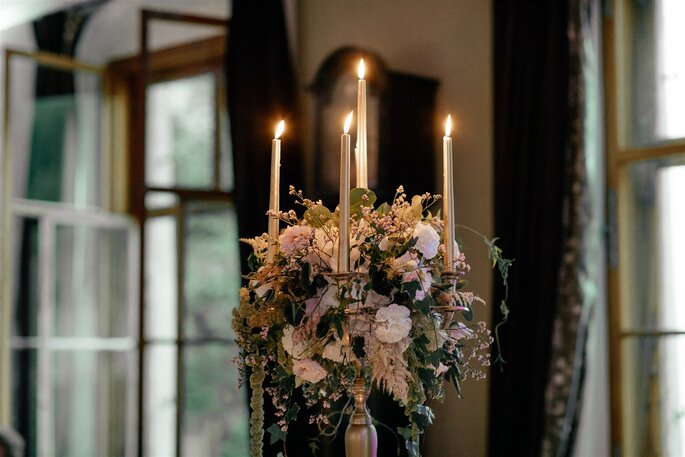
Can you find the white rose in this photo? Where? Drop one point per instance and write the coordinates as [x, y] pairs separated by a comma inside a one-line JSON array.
[[392, 323], [294, 239], [428, 240], [295, 350], [308, 370]]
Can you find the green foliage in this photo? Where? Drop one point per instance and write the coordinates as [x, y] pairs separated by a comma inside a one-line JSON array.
[[410, 288], [424, 306], [317, 216], [384, 209], [276, 434], [503, 265], [360, 197]]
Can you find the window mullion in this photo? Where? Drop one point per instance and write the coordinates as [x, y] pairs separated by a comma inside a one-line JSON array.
[[626, 156], [46, 260], [180, 293]]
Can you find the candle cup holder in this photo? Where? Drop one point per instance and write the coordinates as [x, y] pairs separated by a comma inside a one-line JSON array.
[[450, 276], [447, 311], [344, 277]]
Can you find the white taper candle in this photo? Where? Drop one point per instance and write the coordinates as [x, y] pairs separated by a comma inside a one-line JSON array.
[[344, 235], [274, 197], [448, 196]]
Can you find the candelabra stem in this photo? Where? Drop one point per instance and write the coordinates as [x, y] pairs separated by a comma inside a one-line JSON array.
[[360, 438]]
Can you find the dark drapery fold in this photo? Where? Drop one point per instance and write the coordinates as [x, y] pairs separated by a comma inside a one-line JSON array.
[[582, 256], [261, 91], [548, 216], [531, 64]]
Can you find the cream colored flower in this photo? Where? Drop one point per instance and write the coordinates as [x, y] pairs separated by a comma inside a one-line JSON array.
[[392, 323], [428, 240]]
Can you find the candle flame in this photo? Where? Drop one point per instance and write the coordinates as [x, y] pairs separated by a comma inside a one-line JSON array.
[[348, 121], [360, 69], [448, 125], [279, 129]]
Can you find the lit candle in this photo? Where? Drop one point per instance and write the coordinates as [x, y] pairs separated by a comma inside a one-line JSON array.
[[448, 196], [361, 163], [274, 196], [344, 236]]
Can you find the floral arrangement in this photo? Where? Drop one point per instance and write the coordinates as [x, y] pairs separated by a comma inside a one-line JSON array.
[[398, 321]]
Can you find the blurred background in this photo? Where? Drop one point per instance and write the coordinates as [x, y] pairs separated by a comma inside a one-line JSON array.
[[136, 149]]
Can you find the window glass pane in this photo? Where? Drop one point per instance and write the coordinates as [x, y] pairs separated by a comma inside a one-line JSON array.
[[215, 416], [55, 134], [180, 135], [91, 402], [671, 209], [652, 248], [160, 200], [92, 286], [24, 397], [654, 396], [226, 164], [657, 72], [160, 277], [160, 400], [212, 269], [26, 288]]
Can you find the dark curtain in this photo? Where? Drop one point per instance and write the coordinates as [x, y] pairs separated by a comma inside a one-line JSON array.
[[536, 152], [261, 91], [549, 212]]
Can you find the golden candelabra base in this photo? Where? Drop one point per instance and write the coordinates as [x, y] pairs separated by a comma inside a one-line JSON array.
[[360, 437]]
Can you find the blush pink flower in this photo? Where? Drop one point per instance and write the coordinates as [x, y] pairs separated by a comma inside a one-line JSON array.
[[295, 239], [309, 370]]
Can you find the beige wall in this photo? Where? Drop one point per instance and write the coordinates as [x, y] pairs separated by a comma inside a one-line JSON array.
[[450, 41]]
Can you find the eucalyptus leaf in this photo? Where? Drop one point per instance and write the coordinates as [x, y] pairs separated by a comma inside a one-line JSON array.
[[357, 199], [317, 216], [384, 209]]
